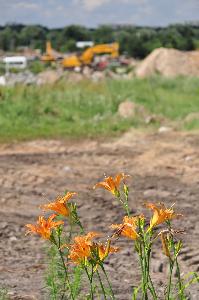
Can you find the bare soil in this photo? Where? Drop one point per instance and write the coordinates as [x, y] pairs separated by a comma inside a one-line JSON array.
[[163, 167], [169, 63]]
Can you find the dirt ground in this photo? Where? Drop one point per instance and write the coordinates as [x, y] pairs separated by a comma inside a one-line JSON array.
[[163, 167]]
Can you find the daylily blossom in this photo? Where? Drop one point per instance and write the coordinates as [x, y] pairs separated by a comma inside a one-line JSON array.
[[59, 206], [127, 228], [81, 248], [44, 227], [84, 248], [112, 184], [161, 214], [104, 250]]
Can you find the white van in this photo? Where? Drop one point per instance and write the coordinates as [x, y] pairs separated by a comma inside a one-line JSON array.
[[18, 62]]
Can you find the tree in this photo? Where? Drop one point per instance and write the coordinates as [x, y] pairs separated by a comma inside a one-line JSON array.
[[104, 34], [33, 36], [76, 32]]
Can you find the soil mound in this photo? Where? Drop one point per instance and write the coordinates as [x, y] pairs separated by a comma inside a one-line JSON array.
[[170, 63]]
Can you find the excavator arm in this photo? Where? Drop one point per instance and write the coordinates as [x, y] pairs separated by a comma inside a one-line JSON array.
[[48, 56], [87, 56]]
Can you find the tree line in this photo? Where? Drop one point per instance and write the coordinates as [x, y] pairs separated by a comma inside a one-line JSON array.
[[134, 41]]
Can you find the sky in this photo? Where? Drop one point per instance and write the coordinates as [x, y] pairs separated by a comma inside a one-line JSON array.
[[91, 13]]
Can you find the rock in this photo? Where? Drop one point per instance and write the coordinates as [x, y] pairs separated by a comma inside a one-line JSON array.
[[67, 168], [75, 77], [150, 119], [129, 109], [188, 158], [25, 77], [194, 116], [97, 76], [165, 129], [112, 75], [87, 71], [13, 239], [49, 77]]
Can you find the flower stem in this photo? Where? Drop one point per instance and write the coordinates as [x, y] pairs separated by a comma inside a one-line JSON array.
[[145, 268], [152, 289], [149, 280], [127, 204], [109, 284], [170, 279], [180, 284], [66, 280], [101, 284], [181, 291], [90, 278], [124, 204]]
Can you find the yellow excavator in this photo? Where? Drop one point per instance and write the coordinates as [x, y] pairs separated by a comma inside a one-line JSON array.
[[51, 54], [87, 56], [48, 56]]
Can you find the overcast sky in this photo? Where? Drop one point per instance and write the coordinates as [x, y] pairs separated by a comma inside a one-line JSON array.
[[58, 13]]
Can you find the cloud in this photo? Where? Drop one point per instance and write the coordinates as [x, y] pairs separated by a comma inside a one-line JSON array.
[[91, 5], [58, 13], [26, 5]]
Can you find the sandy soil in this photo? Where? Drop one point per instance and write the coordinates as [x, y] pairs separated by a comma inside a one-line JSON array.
[[164, 167]]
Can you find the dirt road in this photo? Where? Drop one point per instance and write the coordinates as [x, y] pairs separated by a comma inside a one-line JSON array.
[[163, 167]]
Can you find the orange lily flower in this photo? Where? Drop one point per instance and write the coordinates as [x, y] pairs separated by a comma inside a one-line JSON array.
[[84, 248], [59, 206], [112, 184], [81, 248], [104, 250], [127, 228], [161, 214], [44, 227]]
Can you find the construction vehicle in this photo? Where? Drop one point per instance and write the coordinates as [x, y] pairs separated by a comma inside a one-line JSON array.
[[86, 58], [50, 55]]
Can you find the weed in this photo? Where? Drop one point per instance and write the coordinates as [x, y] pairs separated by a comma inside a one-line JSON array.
[[88, 109]]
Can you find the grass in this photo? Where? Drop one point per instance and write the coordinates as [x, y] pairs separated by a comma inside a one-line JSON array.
[[3, 293], [88, 109]]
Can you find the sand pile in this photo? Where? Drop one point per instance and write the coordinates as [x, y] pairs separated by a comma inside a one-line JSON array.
[[169, 62]]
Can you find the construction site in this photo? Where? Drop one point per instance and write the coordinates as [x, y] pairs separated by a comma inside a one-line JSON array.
[[96, 63], [99, 160]]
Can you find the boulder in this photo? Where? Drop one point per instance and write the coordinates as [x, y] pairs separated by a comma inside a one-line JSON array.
[[165, 129], [129, 109], [75, 77], [48, 77], [87, 72], [97, 76]]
